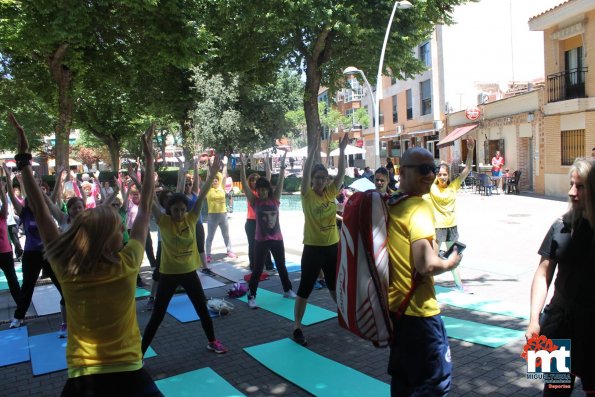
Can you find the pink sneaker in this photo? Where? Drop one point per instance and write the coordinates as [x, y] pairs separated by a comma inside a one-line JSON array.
[[209, 259], [231, 255], [217, 347]]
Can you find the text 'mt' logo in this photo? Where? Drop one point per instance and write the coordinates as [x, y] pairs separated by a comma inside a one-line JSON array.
[[545, 355]]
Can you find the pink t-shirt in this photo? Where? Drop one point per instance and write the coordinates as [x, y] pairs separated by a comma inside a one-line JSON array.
[[4, 239], [267, 220]]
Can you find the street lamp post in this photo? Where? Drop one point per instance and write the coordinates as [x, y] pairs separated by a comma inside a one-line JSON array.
[[402, 5]]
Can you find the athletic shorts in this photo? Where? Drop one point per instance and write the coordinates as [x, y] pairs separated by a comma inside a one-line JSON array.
[[444, 234]]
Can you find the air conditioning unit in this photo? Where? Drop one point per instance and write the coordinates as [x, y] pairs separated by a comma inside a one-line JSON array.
[[399, 129], [438, 125], [482, 98]]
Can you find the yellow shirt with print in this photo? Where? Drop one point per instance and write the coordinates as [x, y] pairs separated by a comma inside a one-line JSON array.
[[216, 201], [103, 332], [179, 254], [410, 221], [443, 201], [320, 226]]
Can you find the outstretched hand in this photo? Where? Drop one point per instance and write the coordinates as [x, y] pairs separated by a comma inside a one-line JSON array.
[[214, 167], [242, 160], [22, 143], [147, 140]]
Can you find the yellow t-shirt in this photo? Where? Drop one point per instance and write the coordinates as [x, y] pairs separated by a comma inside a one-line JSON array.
[[179, 254], [216, 201], [443, 201], [103, 333], [320, 227], [409, 221]]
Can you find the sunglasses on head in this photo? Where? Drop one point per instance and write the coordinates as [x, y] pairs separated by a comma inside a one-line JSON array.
[[424, 169]]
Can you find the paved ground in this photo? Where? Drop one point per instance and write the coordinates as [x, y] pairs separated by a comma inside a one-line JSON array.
[[502, 233]]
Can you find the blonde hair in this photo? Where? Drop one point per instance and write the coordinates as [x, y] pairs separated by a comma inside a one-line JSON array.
[[585, 169], [83, 248]]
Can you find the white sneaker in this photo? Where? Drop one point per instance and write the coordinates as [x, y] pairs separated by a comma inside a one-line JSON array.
[[289, 294], [16, 323], [62, 331], [252, 303]]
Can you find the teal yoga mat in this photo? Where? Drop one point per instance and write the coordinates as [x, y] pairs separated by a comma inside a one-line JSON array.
[[201, 382], [473, 302], [4, 283], [141, 292], [14, 346], [478, 333], [314, 373], [181, 308], [277, 304]]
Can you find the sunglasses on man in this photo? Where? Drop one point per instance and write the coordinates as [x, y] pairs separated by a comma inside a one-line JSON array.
[[424, 169]]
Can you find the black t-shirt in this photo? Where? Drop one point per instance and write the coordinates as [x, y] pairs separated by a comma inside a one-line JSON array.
[[575, 257]]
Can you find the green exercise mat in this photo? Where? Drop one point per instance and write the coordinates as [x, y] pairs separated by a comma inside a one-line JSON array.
[[277, 304], [474, 302], [478, 333], [201, 382], [141, 292], [314, 373]]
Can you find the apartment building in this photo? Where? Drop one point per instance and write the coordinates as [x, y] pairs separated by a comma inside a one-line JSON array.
[[568, 129]]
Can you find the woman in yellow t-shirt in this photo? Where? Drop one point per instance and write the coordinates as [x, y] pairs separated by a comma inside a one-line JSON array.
[[443, 195], [320, 231], [217, 217], [179, 261], [98, 279]]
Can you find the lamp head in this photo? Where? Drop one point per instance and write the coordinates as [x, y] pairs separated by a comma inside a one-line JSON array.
[[351, 70], [404, 5]]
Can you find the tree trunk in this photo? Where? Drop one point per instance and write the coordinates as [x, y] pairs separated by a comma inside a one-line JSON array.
[[113, 145], [62, 76], [313, 130]]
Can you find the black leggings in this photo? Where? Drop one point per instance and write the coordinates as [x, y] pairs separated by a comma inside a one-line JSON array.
[[131, 383], [13, 233], [7, 266], [33, 263], [165, 291], [200, 237], [250, 228], [315, 258], [261, 252]]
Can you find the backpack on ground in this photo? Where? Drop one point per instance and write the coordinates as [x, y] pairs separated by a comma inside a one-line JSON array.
[[363, 268]]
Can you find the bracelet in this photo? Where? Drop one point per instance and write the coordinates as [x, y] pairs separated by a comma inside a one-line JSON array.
[[22, 160]]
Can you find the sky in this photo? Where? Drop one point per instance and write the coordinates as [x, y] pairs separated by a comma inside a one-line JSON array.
[[491, 42]]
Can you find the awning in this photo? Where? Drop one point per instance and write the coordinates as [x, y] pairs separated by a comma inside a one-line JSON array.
[[457, 133]]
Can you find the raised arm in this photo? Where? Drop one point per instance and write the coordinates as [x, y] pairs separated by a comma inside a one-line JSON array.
[[213, 169], [181, 177], [4, 210], [267, 167], [245, 186], [341, 166], [279, 187], [469, 162], [58, 184], [47, 228], [140, 228], [16, 204], [110, 199], [307, 170], [54, 210], [195, 177]]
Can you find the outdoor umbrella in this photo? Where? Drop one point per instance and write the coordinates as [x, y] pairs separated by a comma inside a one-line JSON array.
[[349, 149], [362, 184], [262, 154], [302, 152]]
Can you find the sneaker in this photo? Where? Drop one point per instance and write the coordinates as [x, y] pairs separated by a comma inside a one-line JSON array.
[[16, 323], [299, 338], [209, 259], [140, 283], [317, 285], [217, 347], [62, 331], [252, 302], [322, 283], [150, 304], [231, 255], [289, 294], [464, 290]]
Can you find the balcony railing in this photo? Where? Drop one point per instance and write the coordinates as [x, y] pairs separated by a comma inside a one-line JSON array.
[[568, 84]]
